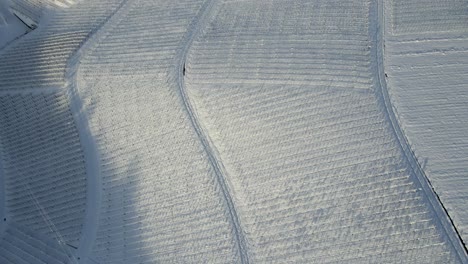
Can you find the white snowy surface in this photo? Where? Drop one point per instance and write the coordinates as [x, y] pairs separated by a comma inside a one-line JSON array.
[[20, 245], [426, 60], [224, 132], [11, 31], [160, 199], [10, 26], [43, 164], [34, 10]]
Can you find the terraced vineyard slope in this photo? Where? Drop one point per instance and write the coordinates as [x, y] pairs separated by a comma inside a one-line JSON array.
[[218, 131], [426, 60]]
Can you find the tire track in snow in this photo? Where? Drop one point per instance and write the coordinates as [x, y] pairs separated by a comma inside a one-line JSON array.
[[195, 27], [443, 219], [89, 145]]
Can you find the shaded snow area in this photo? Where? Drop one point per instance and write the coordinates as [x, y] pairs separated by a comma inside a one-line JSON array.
[[10, 26], [217, 131]]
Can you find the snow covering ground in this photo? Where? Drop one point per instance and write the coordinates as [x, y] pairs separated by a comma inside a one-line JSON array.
[[235, 131], [426, 64], [10, 26]]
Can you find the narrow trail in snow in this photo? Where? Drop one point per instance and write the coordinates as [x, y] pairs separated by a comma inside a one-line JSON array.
[[91, 154], [57, 46], [442, 216], [195, 27]]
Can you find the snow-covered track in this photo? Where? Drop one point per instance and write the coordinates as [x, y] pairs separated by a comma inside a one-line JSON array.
[[214, 131], [218, 167], [287, 93], [45, 167], [160, 196], [441, 215], [425, 61]]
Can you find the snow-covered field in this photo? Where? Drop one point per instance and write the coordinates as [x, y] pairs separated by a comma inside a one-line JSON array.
[[235, 132], [10, 26], [426, 60]]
